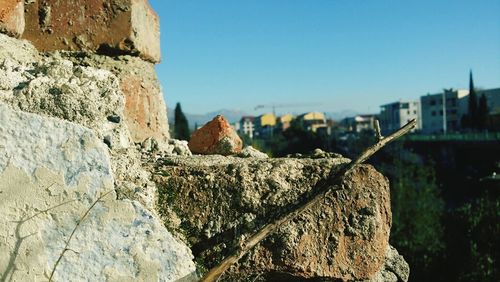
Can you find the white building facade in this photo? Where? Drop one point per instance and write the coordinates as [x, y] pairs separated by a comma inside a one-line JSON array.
[[247, 126], [359, 123], [395, 115], [443, 112]]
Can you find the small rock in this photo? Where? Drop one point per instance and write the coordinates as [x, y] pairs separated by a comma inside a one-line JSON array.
[[316, 154], [180, 147], [320, 154], [107, 141], [150, 145], [251, 152], [397, 264], [215, 137], [114, 118]]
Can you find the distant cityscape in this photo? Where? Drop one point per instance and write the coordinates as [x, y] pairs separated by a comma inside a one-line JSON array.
[[438, 113]]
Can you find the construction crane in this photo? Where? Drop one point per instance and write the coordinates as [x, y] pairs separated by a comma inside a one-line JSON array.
[[274, 106]]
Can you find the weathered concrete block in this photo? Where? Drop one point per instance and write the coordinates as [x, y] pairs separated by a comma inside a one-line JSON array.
[[145, 110], [51, 172], [12, 17], [120, 98], [103, 26], [219, 199], [56, 87], [66, 86]]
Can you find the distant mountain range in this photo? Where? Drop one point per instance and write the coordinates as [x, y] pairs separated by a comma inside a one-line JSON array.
[[337, 116], [235, 115], [200, 119]]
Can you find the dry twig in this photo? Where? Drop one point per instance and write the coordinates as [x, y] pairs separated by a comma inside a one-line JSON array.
[[11, 266], [378, 133], [335, 177], [73, 233]]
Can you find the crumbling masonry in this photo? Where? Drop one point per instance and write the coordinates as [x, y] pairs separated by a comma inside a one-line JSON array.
[[82, 115]]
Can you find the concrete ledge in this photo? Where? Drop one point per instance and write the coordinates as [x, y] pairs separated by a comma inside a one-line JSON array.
[[220, 199]]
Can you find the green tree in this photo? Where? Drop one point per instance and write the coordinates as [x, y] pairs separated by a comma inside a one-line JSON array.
[[474, 241], [417, 209], [471, 120], [482, 112], [296, 139], [181, 126]]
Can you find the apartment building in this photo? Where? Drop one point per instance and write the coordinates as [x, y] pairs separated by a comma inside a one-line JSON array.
[[359, 123], [442, 112], [395, 115], [265, 125], [285, 121], [313, 121], [246, 126]]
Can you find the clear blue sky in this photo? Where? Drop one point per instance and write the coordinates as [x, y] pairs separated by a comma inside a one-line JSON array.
[[341, 54]]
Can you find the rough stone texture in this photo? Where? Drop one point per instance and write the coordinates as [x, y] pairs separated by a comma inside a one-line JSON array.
[[19, 51], [131, 180], [68, 86], [12, 17], [51, 172], [107, 27], [178, 148], [251, 152], [215, 137], [145, 110], [219, 199], [53, 86], [395, 268], [141, 106]]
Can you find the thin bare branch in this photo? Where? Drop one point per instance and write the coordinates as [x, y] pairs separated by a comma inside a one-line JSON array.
[[378, 133], [49, 209], [78, 223], [332, 183]]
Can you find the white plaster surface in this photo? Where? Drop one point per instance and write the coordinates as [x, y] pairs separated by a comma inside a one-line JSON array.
[[46, 162]]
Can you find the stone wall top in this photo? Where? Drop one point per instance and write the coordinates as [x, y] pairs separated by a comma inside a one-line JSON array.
[[102, 26]]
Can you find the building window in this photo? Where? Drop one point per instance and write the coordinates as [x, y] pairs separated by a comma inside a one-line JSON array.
[[433, 102], [415, 112], [441, 112], [433, 113]]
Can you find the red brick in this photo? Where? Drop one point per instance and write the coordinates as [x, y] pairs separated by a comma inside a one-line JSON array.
[[12, 17], [102, 26], [215, 137], [145, 110]]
